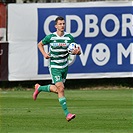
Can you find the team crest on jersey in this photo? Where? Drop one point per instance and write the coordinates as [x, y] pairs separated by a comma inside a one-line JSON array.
[[66, 41]]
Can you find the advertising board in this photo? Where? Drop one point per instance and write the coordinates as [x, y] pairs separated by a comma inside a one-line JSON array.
[[103, 30]]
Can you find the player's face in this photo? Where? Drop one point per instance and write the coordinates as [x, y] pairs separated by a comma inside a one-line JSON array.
[[60, 26]]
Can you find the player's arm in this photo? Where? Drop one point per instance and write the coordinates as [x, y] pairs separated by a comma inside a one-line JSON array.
[[42, 50]]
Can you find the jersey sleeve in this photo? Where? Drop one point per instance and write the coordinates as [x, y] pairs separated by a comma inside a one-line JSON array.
[[46, 40], [71, 38]]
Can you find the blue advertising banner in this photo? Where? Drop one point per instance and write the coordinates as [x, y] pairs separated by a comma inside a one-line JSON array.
[[105, 35]]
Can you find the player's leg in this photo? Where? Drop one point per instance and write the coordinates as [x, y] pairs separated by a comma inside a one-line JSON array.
[[61, 96], [63, 102], [58, 81], [48, 88], [69, 116], [45, 88]]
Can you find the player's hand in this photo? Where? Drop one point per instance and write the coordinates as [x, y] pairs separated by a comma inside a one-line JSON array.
[[46, 55], [76, 51]]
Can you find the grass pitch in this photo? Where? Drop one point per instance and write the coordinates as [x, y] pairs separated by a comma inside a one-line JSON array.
[[97, 111]]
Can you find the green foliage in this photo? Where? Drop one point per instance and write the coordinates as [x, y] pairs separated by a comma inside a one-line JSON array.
[[97, 111]]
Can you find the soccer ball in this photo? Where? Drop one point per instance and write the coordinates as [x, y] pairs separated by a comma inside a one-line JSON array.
[[71, 47]]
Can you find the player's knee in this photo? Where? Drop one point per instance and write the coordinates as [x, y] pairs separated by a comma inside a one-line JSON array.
[[60, 89], [56, 90]]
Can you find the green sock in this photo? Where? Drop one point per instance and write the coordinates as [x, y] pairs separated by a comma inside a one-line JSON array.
[[45, 88], [62, 101]]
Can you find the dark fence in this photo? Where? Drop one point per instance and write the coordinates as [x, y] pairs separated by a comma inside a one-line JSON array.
[[74, 84]]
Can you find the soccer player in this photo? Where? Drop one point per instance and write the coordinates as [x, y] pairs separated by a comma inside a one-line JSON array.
[[58, 56]]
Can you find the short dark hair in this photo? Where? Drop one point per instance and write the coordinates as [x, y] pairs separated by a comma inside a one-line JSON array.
[[58, 18]]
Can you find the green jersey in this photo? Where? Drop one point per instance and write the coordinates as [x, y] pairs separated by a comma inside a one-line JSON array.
[[58, 49]]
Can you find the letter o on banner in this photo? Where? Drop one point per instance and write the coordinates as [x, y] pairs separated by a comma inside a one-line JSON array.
[[116, 25]]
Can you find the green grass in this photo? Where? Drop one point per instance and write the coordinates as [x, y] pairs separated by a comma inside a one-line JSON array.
[[97, 111]]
